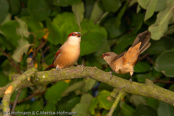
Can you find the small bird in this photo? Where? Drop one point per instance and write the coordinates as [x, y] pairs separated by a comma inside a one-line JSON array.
[[68, 53], [125, 62]]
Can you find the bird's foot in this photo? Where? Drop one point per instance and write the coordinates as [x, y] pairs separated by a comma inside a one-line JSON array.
[[130, 79], [58, 69], [110, 75], [81, 67]]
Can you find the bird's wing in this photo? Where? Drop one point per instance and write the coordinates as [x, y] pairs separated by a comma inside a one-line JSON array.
[[132, 54], [118, 56], [57, 54]]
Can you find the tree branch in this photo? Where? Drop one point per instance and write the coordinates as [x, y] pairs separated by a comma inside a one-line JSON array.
[[121, 94], [12, 87], [148, 89]]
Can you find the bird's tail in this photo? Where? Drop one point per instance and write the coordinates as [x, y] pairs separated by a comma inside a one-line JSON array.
[[144, 38], [49, 67]]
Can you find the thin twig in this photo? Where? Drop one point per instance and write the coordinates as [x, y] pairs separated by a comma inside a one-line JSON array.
[[150, 60], [161, 81], [121, 94], [143, 56], [15, 102], [41, 45], [29, 97], [11, 61]]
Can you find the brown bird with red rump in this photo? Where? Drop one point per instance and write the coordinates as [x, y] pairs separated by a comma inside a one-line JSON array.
[[125, 62], [68, 53]]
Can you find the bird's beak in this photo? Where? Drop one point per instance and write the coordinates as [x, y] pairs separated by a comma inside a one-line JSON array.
[[102, 56], [78, 35]]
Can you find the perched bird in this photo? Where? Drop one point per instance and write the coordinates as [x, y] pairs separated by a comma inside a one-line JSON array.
[[68, 53], [125, 62]]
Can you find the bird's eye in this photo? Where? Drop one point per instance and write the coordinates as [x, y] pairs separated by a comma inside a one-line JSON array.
[[72, 34], [106, 54]]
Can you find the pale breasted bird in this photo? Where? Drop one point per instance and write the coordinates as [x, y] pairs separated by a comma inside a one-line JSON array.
[[125, 62], [68, 53]]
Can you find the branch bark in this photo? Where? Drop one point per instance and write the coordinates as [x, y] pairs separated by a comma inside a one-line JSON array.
[[147, 89], [12, 87]]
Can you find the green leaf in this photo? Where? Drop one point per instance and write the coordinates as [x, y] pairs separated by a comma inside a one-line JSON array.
[[143, 3], [94, 60], [65, 2], [4, 79], [23, 46], [165, 109], [89, 5], [142, 77], [66, 24], [123, 42], [50, 107], [3, 10], [164, 43], [165, 63], [93, 36], [142, 67], [136, 22], [21, 108], [154, 103], [89, 26], [15, 6], [39, 9], [68, 103], [150, 9], [36, 105], [137, 100], [112, 30], [89, 83], [53, 94], [5, 43], [126, 110], [34, 26], [93, 41], [10, 27], [143, 110], [55, 35], [23, 28], [82, 109], [93, 105], [98, 54], [78, 10], [50, 57], [96, 12], [111, 5], [161, 4], [114, 25], [161, 25], [170, 30], [74, 87], [103, 102]]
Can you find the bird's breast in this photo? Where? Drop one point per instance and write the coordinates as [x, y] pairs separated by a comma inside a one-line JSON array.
[[67, 57]]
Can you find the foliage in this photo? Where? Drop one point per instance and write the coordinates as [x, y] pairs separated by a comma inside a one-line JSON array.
[[106, 25]]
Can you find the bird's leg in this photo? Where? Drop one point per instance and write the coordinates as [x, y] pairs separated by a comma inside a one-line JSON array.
[[81, 67], [110, 75], [58, 69], [131, 73]]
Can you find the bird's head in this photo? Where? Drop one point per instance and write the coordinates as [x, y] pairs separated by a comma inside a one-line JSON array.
[[109, 56], [74, 38]]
